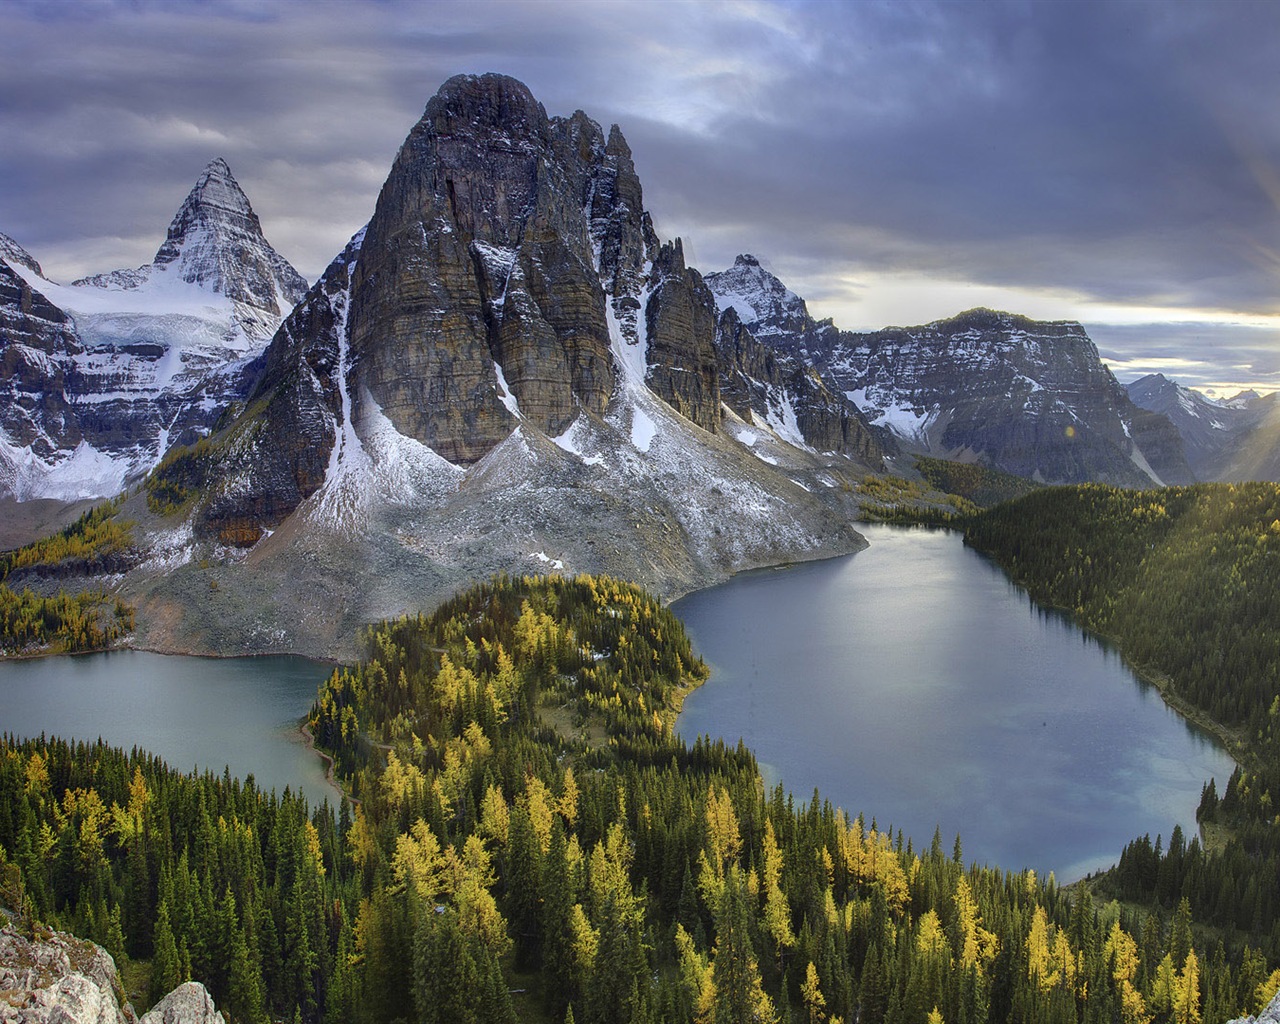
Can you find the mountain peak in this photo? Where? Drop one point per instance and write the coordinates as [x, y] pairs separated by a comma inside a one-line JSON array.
[[766, 306], [488, 102], [216, 202], [215, 241]]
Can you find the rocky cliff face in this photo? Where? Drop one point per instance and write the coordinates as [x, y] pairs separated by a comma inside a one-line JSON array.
[[59, 979], [509, 277], [502, 244], [680, 317], [769, 387], [37, 344], [443, 290], [105, 375], [278, 453], [507, 372], [1028, 397]]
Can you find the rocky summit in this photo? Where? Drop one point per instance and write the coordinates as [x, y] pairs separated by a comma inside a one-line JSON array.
[[56, 978], [1028, 397], [506, 370], [215, 241], [102, 377]]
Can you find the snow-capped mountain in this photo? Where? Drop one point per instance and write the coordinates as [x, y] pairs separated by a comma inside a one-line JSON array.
[[1228, 440], [774, 313], [216, 243], [133, 362], [506, 371], [1029, 397]]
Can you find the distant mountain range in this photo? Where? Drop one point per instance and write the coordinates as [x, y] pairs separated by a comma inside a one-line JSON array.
[[1237, 439], [506, 370]]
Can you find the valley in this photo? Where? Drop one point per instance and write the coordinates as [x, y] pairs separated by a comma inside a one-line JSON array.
[[474, 464]]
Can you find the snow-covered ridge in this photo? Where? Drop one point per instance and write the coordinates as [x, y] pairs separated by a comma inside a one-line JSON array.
[[155, 354], [767, 306]]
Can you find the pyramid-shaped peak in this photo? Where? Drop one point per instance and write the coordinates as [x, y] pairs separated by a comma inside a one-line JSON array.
[[215, 241], [216, 202]]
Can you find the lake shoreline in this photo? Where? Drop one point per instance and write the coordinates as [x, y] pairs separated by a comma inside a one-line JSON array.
[[911, 652]]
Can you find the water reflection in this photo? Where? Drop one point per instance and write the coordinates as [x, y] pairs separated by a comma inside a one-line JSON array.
[[914, 682], [207, 713]]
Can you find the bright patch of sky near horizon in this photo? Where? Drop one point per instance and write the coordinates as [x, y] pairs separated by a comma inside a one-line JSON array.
[[1115, 164]]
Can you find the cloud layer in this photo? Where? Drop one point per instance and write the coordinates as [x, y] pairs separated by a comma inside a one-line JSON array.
[[1067, 159]]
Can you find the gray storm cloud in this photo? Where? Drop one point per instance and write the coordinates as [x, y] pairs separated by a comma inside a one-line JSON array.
[[1126, 154]]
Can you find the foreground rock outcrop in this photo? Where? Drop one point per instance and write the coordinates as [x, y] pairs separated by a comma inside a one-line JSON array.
[[56, 978]]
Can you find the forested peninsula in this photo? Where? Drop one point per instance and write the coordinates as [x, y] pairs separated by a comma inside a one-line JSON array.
[[526, 838]]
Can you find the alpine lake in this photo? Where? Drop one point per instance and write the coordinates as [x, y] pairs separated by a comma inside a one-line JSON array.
[[910, 682]]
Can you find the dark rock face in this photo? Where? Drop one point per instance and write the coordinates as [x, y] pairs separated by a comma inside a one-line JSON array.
[[759, 383], [1158, 440], [480, 255], [37, 340], [681, 321], [498, 239], [276, 455]]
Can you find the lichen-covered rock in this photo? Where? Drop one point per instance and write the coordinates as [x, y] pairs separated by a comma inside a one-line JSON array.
[[189, 1003], [56, 978]]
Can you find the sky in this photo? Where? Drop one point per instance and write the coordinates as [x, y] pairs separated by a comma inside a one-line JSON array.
[[894, 163]]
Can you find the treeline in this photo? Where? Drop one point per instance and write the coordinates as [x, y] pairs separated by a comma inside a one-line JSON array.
[[529, 840], [982, 485], [67, 622], [1187, 581], [90, 541], [63, 623]]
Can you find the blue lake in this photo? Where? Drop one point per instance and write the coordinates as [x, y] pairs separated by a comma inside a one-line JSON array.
[[207, 713], [913, 683]]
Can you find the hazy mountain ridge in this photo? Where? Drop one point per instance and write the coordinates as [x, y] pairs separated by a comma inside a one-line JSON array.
[[1029, 397], [1237, 439]]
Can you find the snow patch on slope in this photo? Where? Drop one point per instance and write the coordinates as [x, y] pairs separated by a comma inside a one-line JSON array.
[[643, 429], [575, 440], [85, 472]]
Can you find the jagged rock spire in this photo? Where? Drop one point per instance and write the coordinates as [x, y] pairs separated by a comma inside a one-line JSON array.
[[216, 241]]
